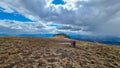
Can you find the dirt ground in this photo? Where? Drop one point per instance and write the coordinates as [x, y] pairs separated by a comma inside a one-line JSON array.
[[18, 52]]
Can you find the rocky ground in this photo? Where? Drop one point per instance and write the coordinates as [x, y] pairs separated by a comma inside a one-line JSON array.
[[16, 52]]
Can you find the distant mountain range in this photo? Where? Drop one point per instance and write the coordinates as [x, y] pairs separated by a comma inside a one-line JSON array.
[[100, 39], [4, 35], [37, 35]]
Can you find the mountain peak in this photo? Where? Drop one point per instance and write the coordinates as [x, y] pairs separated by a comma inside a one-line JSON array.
[[61, 36]]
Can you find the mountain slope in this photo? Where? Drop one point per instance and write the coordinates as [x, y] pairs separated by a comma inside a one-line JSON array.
[[22, 52], [61, 36]]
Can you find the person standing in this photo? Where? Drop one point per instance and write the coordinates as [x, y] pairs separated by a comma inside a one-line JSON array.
[[74, 44]]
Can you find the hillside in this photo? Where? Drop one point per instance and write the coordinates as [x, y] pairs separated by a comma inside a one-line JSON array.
[[23, 52], [61, 36]]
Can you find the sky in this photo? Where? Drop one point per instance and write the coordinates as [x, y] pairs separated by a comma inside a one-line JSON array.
[[87, 17]]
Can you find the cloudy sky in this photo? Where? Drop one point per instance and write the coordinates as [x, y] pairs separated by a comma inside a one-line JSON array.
[[91, 17]]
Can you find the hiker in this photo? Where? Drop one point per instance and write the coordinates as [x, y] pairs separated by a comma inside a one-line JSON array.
[[74, 43]]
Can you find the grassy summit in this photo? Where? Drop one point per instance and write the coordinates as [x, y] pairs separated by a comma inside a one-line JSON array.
[[21, 52], [61, 36]]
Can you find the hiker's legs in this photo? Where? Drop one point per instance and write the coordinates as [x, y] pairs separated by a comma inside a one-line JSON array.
[[74, 45]]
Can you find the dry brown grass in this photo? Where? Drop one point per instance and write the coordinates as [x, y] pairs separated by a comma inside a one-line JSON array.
[[21, 52]]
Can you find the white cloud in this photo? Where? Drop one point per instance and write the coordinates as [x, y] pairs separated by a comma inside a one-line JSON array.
[[6, 7], [23, 27], [90, 16]]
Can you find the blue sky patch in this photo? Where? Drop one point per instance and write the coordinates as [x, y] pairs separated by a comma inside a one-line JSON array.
[[13, 16], [56, 25], [58, 2]]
